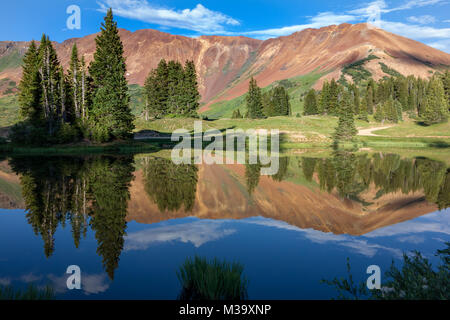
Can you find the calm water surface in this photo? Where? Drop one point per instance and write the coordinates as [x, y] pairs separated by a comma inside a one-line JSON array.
[[129, 222]]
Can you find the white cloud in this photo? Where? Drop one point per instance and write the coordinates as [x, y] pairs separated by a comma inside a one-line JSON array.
[[415, 31], [425, 19], [199, 19], [443, 45], [321, 20]]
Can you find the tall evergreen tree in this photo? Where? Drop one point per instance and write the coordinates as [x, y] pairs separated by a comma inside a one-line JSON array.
[[281, 102], [446, 83], [254, 100], [175, 77], [75, 77], [49, 70], [310, 107], [30, 86], [346, 129], [110, 116], [191, 93], [436, 109]]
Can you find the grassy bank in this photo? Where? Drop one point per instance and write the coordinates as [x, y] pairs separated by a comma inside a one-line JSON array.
[[77, 149]]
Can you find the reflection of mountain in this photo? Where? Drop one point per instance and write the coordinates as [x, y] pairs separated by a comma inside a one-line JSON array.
[[385, 191], [222, 194], [10, 191]]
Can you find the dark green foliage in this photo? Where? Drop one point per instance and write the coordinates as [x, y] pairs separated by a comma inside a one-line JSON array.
[[282, 173], [190, 88], [212, 280], [109, 180], [169, 185], [446, 84], [308, 166], [30, 86], [110, 116], [389, 173], [61, 189], [346, 129], [436, 108], [252, 175], [45, 99], [389, 71], [280, 100], [311, 107], [171, 89], [254, 101], [236, 114], [416, 280], [356, 70], [275, 102]]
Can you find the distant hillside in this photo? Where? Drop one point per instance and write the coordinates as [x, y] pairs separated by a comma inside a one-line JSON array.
[[225, 64]]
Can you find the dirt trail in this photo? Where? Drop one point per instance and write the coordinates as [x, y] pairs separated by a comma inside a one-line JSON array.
[[369, 132]]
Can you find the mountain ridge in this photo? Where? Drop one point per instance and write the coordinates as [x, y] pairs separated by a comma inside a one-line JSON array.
[[225, 63]]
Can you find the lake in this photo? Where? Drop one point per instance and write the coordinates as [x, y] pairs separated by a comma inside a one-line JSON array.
[[130, 221]]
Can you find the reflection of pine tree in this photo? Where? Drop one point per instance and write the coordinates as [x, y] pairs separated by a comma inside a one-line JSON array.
[[283, 169], [169, 185], [308, 165], [252, 174], [443, 200], [109, 184]]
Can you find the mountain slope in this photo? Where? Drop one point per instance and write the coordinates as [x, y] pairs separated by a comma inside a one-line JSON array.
[[225, 64]]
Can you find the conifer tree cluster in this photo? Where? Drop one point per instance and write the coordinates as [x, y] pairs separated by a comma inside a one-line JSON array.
[[276, 102], [172, 89], [272, 103], [58, 107], [254, 101], [387, 99]]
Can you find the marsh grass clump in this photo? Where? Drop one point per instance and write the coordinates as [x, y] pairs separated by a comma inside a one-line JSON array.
[[32, 292], [212, 280]]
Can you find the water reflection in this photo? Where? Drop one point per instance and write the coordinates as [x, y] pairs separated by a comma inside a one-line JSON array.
[[326, 194], [93, 190]]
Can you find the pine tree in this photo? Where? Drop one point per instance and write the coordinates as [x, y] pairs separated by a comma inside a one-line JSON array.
[[175, 87], [30, 86], [75, 77], [236, 114], [254, 100], [192, 101], [49, 70], [346, 129], [268, 105], [280, 100], [310, 107], [332, 104], [446, 83], [436, 109], [323, 101], [110, 116]]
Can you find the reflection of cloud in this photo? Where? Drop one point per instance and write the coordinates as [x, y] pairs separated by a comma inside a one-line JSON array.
[[90, 283], [438, 222], [5, 281], [197, 233], [412, 239], [30, 277], [94, 283], [360, 246]]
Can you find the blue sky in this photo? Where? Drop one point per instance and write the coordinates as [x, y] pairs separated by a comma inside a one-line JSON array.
[[427, 21]]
